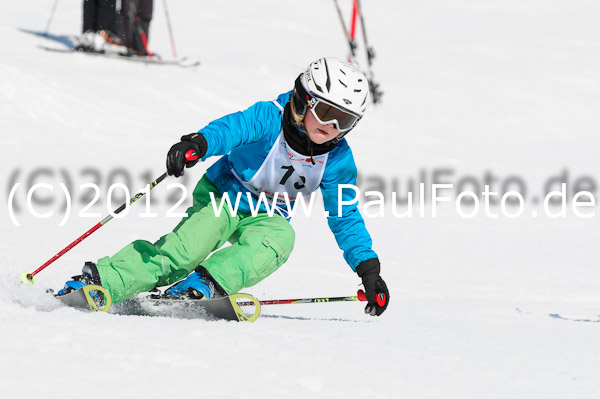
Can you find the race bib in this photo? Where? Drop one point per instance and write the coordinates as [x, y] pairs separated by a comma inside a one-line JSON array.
[[287, 171]]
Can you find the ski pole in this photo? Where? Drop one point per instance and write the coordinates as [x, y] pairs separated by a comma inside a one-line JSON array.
[[360, 296], [190, 155], [170, 29], [349, 39], [373, 86], [50, 17], [353, 23], [370, 50]]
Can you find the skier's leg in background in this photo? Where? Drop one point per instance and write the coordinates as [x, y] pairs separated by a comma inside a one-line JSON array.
[[126, 32], [145, 14], [107, 16], [89, 15], [142, 266], [99, 25], [260, 246]]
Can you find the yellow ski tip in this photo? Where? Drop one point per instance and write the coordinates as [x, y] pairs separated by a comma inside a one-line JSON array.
[[88, 296], [241, 315]]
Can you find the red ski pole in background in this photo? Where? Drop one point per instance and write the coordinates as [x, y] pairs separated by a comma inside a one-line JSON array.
[[349, 38], [354, 18], [190, 155]]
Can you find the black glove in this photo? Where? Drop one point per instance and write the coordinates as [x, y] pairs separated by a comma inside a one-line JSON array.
[[376, 291], [176, 160]]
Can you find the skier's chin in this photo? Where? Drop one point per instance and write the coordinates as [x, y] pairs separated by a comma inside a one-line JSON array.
[[319, 137], [318, 141]]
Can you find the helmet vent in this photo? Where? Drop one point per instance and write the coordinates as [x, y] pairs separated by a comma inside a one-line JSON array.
[[337, 83]]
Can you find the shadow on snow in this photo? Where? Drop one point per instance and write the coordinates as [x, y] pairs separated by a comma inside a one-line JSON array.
[[67, 40]]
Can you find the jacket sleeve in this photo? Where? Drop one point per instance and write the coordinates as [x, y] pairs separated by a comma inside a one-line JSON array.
[[348, 227], [240, 128]]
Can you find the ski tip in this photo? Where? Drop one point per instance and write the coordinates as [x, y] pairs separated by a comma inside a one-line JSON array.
[[241, 315], [26, 278], [91, 300]]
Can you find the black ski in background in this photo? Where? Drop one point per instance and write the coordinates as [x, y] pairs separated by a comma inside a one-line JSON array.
[[182, 62]]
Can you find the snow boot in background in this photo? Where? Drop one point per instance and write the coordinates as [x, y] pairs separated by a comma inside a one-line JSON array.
[[101, 42], [112, 43], [87, 41]]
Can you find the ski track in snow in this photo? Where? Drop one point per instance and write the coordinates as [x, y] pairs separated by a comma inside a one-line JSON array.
[[480, 308]]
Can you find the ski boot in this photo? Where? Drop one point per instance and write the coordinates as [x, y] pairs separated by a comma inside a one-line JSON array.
[[198, 285], [89, 276], [100, 42], [111, 43]]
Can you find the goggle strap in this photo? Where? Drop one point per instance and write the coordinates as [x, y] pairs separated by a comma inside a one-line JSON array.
[[301, 93]]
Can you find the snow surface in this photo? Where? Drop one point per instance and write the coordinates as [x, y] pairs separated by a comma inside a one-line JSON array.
[[506, 87]]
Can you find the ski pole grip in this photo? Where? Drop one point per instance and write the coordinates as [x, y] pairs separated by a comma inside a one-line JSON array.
[[361, 296], [191, 155], [380, 299]]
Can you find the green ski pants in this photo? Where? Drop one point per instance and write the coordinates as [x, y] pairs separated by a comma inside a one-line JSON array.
[[260, 245]]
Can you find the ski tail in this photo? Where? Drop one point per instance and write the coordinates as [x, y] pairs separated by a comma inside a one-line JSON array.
[[90, 297], [240, 314]]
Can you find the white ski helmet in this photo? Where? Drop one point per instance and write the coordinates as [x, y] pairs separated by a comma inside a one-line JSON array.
[[335, 91]]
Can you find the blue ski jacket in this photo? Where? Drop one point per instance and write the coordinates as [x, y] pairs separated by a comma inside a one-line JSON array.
[[249, 142]]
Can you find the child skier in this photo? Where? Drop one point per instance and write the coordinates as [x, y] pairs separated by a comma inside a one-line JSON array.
[[292, 145]]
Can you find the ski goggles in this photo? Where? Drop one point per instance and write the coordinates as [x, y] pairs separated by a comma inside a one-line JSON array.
[[326, 113]]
